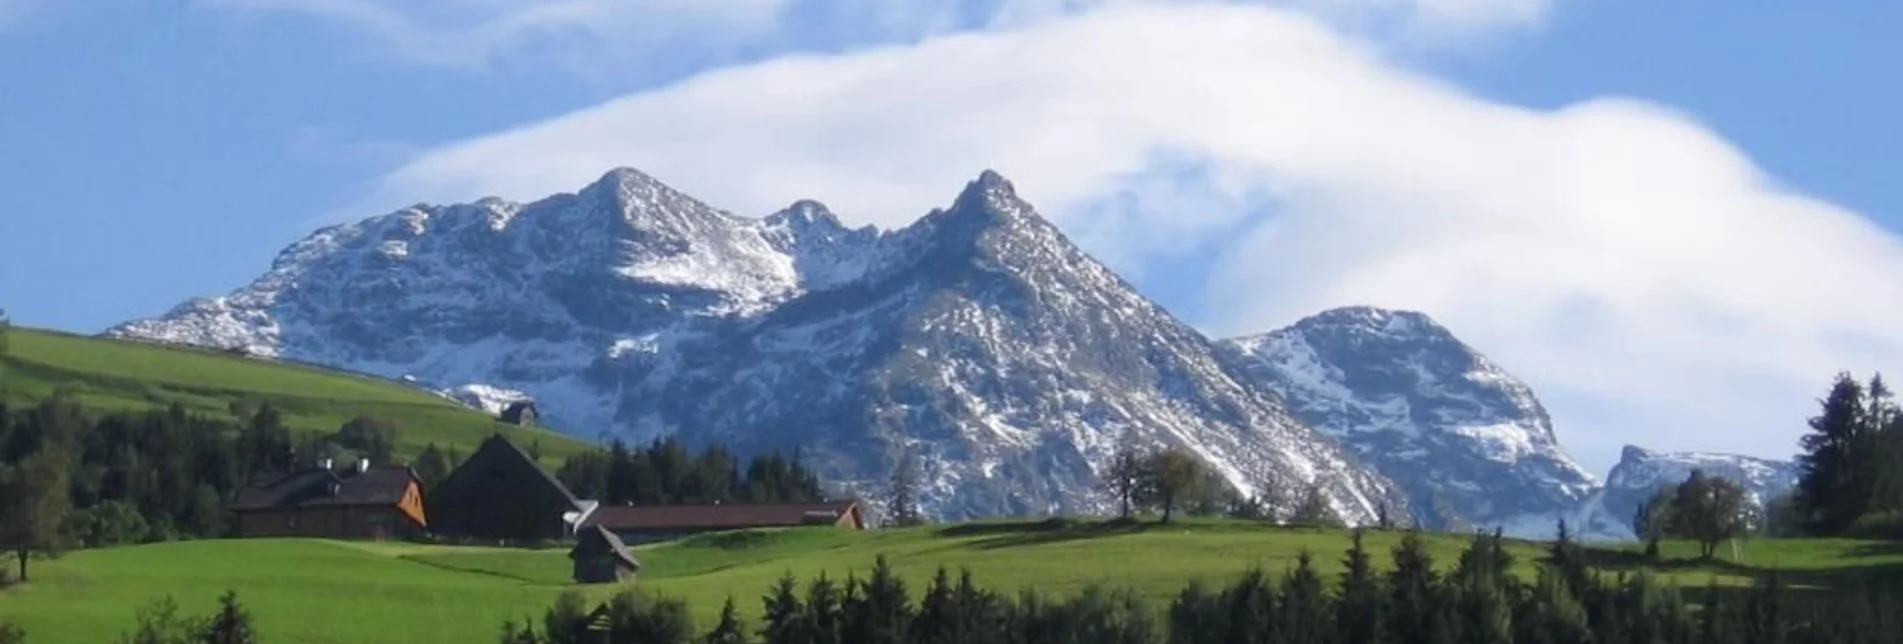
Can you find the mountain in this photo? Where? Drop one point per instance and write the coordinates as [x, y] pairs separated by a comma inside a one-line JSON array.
[[1470, 443], [1640, 473], [978, 338]]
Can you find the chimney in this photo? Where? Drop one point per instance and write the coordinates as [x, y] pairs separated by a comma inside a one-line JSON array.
[[363, 465]]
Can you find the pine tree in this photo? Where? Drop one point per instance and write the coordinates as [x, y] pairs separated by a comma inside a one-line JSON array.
[[566, 622], [1828, 487], [824, 621], [1197, 616], [1412, 594], [784, 619], [231, 625], [880, 612], [1251, 608], [936, 611], [1307, 615], [1358, 613], [730, 630]]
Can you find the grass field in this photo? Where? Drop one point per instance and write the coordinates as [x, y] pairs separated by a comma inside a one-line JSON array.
[[112, 375], [325, 591]]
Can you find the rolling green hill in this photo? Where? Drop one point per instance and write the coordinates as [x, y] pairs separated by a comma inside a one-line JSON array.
[[327, 591], [114, 375]]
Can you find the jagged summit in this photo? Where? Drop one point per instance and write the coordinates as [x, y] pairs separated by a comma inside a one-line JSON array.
[[1471, 443], [978, 338]]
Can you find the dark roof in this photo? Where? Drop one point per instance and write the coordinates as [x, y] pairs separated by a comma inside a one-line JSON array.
[[313, 487], [496, 441], [597, 538], [724, 516]]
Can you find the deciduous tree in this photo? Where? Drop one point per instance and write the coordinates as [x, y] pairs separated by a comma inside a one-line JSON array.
[[1171, 476], [1709, 510]]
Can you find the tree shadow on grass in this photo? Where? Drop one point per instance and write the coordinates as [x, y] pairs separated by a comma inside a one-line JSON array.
[[1048, 531]]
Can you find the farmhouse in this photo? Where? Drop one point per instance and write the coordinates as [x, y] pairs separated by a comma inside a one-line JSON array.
[[500, 493], [362, 503], [600, 557], [649, 523]]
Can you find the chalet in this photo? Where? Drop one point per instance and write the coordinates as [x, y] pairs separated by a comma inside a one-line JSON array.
[[499, 493], [521, 412], [361, 503], [649, 523], [600, 557]]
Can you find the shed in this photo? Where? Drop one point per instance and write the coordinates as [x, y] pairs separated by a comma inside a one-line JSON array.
[[600, 557]]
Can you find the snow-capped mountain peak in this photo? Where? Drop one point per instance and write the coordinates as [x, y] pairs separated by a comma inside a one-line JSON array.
[[1470, 442], [1640, 473], [978, 338]]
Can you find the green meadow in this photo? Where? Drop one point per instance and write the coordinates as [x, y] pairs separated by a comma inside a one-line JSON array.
[[113, 375], [328, 591]]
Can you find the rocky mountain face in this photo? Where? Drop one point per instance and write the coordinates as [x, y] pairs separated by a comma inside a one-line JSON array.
[[1470, 443], [979, 339], [1640, 473]]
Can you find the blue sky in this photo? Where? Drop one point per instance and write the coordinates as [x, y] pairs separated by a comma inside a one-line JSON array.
[[161, 150]]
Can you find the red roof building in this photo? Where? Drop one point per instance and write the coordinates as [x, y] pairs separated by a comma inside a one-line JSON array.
[[649, 523]]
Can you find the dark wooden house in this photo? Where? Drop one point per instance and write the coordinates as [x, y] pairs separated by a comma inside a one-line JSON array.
[[521, 412], [499, 493], [650, 523], [361, 503], [600, 557]]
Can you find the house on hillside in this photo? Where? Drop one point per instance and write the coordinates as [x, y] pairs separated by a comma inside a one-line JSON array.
[[650, 523], [521, 412], [499, 493], [361, 503], [600, 557]]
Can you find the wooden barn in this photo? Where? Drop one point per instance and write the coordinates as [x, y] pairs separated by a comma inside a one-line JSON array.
[[650, 523], [361, 503], [499, 493], [600, 557]]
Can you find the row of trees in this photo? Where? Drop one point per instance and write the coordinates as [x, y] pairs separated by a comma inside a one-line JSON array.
[[1479, 601], [70, 479], [665, 472], [1169, 480], [1852, 463]]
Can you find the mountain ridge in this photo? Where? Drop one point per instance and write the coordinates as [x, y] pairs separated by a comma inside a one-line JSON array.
[[978, 338]]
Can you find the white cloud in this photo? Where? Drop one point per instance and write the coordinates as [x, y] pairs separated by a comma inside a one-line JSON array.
[[1638, 270], [596, 36]]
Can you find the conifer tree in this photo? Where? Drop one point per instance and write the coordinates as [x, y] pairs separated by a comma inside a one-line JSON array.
[[1307, 615], [566, 622], [1412, 594], [1828, 486], [1358, 613], [880, 612], [784, 619], [230, 625], [730, 630], [824, 621], [1196, 616], [1251, 608]]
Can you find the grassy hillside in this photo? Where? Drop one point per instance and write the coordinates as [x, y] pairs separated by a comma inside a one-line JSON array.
[[324, 591], [113, 375]]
